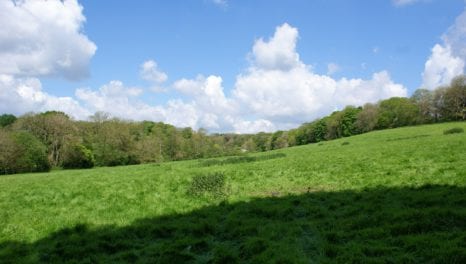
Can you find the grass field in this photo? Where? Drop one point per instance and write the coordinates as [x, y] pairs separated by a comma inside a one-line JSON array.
[[392, 196]]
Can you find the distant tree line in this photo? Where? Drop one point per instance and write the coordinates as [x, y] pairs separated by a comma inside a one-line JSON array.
[[38, 142]]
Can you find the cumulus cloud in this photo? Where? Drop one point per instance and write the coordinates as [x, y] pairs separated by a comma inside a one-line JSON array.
[[20, 95], [448, 58], [281, 89], [207, 94], [150, 72], [119, 101], [44, 38], [279, 53], [250, 127], [206, 103], [277, 91], [441, 67]]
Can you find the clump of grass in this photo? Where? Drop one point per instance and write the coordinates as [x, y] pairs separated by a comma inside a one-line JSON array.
[[454, 130], [345, 143], [213, 184]]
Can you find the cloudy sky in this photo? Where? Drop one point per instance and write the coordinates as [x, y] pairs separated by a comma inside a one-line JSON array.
[[224, 65]]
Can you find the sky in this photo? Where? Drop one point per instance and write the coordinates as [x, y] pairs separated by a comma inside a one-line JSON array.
[[223, 65]]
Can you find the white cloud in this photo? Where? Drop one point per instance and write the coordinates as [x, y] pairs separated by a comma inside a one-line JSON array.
[[332, 68], [277, 91], [119, 101], [150, 72], [448, 58], [279, 53], [44, 38], [207, 94], [456, 36], [20, 95], [282, 89], [441, 67], [250, 127]]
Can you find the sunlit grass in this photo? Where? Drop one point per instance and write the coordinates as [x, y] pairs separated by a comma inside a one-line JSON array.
[[383, 195]]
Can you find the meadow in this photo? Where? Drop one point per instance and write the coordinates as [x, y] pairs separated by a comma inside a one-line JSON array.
[[390, 196]]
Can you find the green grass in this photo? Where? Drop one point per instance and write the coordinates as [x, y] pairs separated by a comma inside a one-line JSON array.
[[392, 196]]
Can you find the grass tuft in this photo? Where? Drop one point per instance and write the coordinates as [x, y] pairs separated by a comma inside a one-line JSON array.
[[454, 130]]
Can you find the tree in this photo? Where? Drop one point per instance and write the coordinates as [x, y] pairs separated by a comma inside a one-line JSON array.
[[6, 120], [455, 98], [318, 130], [33, 154], [279, 140], [397, 112], [424, 99], [53, 129], [342, 123], [21, 152], [113, 144], [366, 120], [9, 153]]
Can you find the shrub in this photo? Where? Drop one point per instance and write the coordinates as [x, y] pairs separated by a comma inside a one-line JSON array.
[[453, 130], [78, 156], [208, 184]]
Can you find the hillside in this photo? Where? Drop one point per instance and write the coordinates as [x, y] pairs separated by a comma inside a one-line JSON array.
[[395, 195]]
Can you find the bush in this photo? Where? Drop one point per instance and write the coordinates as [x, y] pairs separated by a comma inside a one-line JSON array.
[[453, 130], [211, 184], [78, 156]]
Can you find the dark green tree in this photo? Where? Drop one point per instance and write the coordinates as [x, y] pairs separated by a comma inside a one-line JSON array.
[[7, 119]]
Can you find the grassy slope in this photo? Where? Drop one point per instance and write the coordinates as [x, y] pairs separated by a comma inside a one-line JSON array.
[[389, 196]]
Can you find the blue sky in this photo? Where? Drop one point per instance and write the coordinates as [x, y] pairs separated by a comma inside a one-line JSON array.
[[225, 65]]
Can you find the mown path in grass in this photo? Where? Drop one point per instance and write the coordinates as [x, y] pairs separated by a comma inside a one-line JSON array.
[[387, 196]]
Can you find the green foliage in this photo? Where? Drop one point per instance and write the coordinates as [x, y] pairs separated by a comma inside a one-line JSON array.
[[213, 184], [397, 112], [33, 156], [342, 123], [367, 118], [424, 99], [261, 141], [454, 130], [78, 156], [22, 152], [318, 131], [6, 120]]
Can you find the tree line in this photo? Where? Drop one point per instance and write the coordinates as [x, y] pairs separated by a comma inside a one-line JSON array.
[[39, 142]]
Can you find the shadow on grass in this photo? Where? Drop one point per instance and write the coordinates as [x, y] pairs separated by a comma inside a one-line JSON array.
[[240, 159], [380, 225]]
